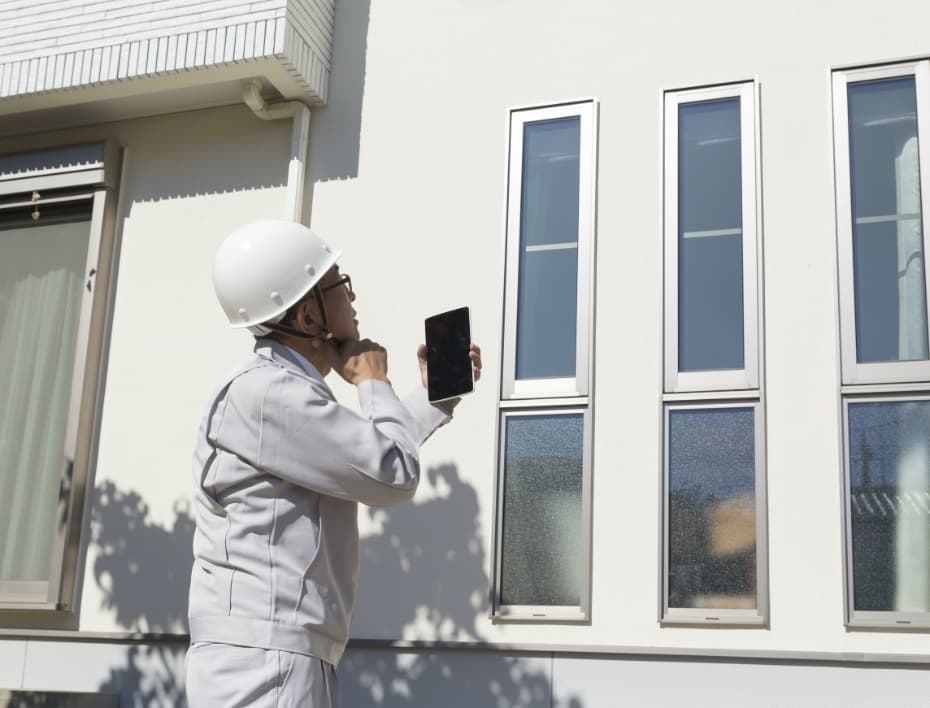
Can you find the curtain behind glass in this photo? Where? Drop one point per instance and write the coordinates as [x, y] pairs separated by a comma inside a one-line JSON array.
[[41, 268]]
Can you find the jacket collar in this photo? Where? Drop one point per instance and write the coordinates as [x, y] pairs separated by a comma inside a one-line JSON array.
[[282, 354]]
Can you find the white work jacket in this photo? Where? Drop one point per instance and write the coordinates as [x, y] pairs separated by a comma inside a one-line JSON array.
[[279, 468]]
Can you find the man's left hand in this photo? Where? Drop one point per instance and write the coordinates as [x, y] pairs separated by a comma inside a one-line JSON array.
[[474, 353]]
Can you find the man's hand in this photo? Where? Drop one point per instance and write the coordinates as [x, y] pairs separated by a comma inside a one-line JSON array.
[[474, 353], [356, 360]]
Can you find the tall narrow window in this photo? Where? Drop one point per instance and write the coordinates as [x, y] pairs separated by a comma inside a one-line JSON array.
[[55, 248], [713, 545], [879, 115], [542, 546]]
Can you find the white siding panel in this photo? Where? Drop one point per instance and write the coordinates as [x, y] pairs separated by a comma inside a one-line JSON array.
[[210, 47], [54, 27], [12, 660], [200, 52], [667, 683]]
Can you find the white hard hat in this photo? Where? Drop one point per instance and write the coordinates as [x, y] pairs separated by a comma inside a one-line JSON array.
[[263, 268]]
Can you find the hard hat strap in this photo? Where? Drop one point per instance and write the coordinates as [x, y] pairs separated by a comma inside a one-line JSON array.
[[290, 331], [285, 329], [320, 300]]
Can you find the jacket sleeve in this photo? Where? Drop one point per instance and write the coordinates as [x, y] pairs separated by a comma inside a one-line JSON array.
[[428, 416], [312, 441]]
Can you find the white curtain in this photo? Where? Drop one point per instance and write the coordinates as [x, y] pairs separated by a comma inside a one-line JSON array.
[[912, 529], [40, 295]]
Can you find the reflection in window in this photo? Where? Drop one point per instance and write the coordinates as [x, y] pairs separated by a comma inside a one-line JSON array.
[[712, 509], [547, 306], [710, 236], [541, 552], [889, 495], [888, 259]]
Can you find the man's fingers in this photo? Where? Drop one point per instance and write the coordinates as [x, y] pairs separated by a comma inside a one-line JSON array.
[[474, 354]]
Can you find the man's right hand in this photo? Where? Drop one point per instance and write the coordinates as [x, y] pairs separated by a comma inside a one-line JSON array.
[[356, 360]]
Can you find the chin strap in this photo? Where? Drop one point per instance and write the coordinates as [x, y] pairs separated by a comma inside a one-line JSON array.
[[291, 332]]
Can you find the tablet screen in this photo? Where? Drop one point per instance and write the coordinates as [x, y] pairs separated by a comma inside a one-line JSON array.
[[448, 368]]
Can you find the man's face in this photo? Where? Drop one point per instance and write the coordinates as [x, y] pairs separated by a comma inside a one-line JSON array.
[[338, 298]]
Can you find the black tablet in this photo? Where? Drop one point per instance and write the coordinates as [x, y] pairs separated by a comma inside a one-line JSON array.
[[448, 367]]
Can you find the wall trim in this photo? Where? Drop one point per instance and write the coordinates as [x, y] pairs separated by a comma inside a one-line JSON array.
[[756, 656]]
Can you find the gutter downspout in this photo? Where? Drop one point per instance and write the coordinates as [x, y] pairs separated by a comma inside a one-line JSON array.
[[251, 94]]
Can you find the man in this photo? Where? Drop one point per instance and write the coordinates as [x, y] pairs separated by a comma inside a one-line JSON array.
[[279, 468]]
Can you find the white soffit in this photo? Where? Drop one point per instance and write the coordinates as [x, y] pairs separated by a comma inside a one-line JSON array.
[[64, 52]]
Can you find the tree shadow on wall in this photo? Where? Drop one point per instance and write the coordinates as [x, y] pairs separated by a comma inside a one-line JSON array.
[[143, 571], [424, 570], [425, 573], [142, 568]]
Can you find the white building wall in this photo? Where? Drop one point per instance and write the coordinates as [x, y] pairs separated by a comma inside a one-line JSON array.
[[431, 176], [407, 173], [188, 179]]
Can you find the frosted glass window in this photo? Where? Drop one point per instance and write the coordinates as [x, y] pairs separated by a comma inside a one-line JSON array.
[[41, 283], [888, 258], [710, 236], [541, 557], [889, 495], [711, 532], [547, 298]]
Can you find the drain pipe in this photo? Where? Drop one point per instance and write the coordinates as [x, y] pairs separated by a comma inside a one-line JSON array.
[[251, 94]]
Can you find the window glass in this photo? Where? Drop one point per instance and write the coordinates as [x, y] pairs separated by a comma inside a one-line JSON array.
[[889, 477], [547, 297], [712, 509], [541, 551], [41, 284], [710, 234], [888, 258]]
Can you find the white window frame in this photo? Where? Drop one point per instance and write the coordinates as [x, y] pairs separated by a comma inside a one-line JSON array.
[[871, 618], [879, 381], [702, 390], [732, 379], [577, 385], [550, 396], [84, 173], [719, 616], [548, 613], [878, 372]]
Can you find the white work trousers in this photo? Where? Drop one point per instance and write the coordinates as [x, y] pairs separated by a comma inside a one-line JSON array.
[[227, 676]]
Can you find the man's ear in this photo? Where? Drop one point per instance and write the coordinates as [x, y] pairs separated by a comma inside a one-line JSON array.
[[306, 321]]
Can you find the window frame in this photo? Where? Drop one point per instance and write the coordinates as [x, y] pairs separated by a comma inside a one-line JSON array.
[[734, 388], [578, 385], [870, 618], [56, 177], [551, 396], [749, 376], [877, 372], [718, 616], [879, 381], [549, 613]]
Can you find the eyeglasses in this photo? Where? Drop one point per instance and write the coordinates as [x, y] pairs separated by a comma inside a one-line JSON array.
[[343, 279]]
